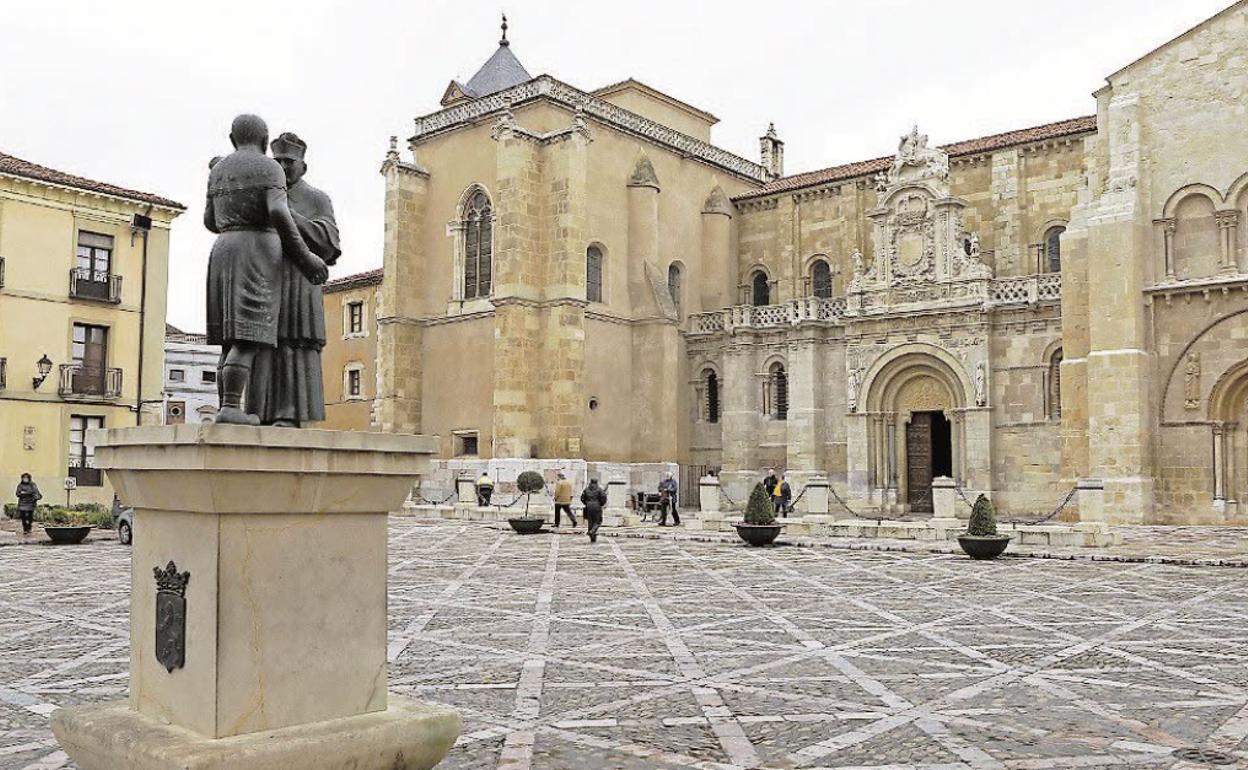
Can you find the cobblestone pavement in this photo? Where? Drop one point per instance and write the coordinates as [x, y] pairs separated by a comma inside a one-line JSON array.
[[657, 655]]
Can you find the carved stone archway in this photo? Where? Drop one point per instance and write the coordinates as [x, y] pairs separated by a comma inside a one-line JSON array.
[[915, 379], [1228, 422]]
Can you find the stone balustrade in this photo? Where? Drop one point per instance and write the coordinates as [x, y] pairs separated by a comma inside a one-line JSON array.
[[1022, 290]]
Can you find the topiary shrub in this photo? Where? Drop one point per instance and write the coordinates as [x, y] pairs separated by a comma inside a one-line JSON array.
[[760, 510], [528, 483], [983, 521]]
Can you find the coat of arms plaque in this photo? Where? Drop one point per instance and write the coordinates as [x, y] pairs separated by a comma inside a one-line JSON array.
[[171, 616]]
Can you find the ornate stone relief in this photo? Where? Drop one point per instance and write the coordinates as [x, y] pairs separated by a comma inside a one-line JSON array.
[[923, 254]]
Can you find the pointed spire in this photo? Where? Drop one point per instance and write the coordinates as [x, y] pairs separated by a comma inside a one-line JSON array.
[[503, 41]]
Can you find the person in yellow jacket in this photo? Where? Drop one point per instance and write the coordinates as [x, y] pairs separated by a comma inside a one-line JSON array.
[[563, 499], [485, 489]]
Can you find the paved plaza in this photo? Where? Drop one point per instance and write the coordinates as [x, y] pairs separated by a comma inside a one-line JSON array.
[[653, 655]]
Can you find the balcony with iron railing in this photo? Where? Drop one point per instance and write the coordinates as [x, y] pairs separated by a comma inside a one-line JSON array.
[[87, 383], [83, 471], [94, 285]]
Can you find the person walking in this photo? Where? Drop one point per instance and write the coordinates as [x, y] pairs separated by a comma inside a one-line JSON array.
[[770, 482], [594, 498], [563, 499], [485, 489], [783, 496], [28, 497], [667, 500]]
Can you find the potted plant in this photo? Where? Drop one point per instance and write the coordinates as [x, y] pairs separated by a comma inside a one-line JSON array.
[[528, 483], [981, 540], [759, 527], [67, 527]]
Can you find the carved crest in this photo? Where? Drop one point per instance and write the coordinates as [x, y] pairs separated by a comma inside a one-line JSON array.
[[171, 616]]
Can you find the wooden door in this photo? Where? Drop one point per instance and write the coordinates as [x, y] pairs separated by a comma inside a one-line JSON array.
[[919, 462]]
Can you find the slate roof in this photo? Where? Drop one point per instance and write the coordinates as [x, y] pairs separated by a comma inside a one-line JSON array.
[[1063, 128], [367, 278], [12, 166], [502, 70]]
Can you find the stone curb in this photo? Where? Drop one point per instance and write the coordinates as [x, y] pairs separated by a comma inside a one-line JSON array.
[[1184, 561]]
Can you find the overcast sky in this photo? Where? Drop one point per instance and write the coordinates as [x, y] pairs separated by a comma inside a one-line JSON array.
[[141, 94]]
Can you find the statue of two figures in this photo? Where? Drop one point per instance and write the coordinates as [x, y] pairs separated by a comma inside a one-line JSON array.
[[276, 237]]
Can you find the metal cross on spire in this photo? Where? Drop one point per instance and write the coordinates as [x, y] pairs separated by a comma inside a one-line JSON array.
[[504, 40]]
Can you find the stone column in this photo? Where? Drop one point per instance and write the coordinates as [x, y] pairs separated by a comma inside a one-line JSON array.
[[1167, 227], [399, 359], [1228, 233], [891, 429], [1219, 462], [739, 394], [719, 269], [977, 449], [258, 604]]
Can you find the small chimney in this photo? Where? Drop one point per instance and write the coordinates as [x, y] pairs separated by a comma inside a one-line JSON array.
[[772, 151]]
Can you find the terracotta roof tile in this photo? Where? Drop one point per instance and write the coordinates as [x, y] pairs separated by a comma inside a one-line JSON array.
[[23, 168], [1057, 130], [367, 278]]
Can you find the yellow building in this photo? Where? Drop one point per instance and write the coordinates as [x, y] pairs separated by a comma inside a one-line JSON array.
[[580, 280], [349, 363], [83, 274]]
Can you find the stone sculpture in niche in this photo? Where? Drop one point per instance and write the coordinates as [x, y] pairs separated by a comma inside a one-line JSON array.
[[1191, 382]]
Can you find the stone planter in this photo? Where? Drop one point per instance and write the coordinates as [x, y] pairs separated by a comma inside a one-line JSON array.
[[68, 535], [758, 534], [983, 546], [527, 526]]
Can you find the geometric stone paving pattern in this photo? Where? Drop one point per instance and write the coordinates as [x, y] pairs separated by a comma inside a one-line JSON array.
[[657, 655]]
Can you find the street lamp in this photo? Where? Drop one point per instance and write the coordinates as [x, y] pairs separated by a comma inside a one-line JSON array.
[[44, 365]]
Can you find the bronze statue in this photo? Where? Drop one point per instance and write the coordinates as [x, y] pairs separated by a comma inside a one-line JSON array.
[[247, 208], [287, 388]]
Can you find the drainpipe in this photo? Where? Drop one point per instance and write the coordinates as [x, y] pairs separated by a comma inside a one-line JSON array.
[[141, 223]]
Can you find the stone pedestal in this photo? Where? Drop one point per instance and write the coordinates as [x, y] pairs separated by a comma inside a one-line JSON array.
[[708, 494], [1090, 495], [466, 490], [816, 496], [945, 499], [262, 643], [617, 494]]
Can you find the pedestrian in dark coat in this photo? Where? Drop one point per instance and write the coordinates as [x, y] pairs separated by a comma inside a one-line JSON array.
[[783, 495], [770, 482], [594, 498], [28, 497], [668, 491]]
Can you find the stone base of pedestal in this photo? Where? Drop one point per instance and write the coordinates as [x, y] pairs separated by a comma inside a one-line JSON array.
[[406, 736]]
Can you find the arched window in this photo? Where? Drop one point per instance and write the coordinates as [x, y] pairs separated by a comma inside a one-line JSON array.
[[593, 274], [712, 396], [778, 384], [821, 279], [1053, 393], [478, 246], [760, 289], [1053, 249], [673, 284]]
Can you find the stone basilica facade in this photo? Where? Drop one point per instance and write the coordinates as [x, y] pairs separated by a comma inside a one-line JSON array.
[[579, 277]]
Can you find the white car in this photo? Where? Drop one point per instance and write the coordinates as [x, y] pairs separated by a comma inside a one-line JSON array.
[[123, 522]]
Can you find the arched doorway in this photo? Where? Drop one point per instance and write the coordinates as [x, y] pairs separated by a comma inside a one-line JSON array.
[[916, 417], [1228, 419]]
